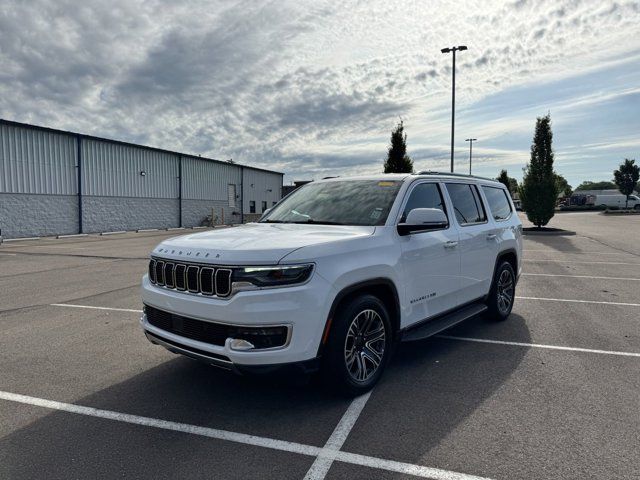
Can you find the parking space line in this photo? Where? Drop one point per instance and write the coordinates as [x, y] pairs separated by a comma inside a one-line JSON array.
[[91, 307], [323, 462], [253, 440], [578, 276], [577, 261], [568, 300], [579, 253], [539, 345]]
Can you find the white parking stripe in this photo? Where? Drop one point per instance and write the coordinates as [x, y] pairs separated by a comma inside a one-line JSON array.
[[538, 345], [578, 276], [577, 261], [579, 253], [323, 463], [242, 438], [91, 307], [595, 302]]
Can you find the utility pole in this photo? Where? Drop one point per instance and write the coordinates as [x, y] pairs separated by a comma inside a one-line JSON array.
[[453, 93], [470, 140]]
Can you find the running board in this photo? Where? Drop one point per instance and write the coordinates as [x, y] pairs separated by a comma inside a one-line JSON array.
[[437, 325]]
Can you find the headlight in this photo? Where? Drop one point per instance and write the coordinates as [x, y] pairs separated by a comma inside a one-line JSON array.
[[249, 278]]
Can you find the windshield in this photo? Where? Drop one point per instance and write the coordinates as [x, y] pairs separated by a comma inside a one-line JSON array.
[[351, 202]]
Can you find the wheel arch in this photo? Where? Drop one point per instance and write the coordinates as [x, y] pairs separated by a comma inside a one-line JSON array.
[[383, 288], [511, 256]]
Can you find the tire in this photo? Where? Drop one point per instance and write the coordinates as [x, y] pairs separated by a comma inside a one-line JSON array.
[[636, 206], [349, 360], [503, 292]]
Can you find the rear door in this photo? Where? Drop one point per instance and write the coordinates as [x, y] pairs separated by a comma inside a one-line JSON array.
[[430, 260], [477, 243]]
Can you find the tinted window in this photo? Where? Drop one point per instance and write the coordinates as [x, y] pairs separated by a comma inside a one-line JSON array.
[[424, 195], [498, 202], [466, 203], [350, 202]]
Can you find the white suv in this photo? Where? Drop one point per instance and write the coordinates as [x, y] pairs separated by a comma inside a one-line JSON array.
[[337, 273]]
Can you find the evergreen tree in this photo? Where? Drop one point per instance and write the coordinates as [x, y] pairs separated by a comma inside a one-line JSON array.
[[539, 191], [507, 181], [397, 159], [626, 178]]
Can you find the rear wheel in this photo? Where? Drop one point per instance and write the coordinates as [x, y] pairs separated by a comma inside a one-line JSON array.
[[503, 292], [359, 345]]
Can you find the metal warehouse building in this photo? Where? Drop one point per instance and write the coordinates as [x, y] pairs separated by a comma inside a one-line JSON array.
[[55, 182]]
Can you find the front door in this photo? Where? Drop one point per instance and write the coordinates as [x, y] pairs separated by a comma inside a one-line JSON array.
[[430, 260]]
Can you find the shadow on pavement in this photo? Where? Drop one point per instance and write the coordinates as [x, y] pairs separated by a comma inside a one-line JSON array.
[[428, 390], [432, 387], [181, 390]]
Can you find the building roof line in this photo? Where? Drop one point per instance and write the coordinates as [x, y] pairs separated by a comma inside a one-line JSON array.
[[129, 144]]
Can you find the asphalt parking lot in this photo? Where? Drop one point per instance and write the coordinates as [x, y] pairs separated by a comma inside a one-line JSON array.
[[554, 392]]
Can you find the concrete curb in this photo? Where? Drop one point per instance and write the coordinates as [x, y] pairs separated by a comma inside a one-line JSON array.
[[561, 233]]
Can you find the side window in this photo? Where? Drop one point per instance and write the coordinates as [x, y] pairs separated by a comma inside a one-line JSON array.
[[424, 195], [466, 203], [498, 202]]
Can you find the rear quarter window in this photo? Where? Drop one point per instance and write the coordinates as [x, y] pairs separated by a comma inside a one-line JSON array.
[[498, 202]]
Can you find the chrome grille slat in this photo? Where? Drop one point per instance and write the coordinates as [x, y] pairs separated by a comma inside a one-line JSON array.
[[223, 282], [193, 278], [169, 278]]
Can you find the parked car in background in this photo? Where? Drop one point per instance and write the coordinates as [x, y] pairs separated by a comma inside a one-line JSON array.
[[336, 274]]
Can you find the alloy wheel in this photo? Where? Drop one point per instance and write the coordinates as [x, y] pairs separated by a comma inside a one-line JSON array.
[[364, 345], [505, 291]]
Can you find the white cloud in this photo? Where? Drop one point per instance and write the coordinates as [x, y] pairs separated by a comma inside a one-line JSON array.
[[311, 88]]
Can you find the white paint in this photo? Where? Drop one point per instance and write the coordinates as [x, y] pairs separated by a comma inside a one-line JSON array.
[[594, 302], [91, 307], [113, 233], [537, 345], [8, 254], [578, 253], [578, 276], [323, 462], [245, 439], [401, 467], [581, 262]]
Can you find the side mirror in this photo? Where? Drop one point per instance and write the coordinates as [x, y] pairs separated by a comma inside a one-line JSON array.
[[265, 213], [423, 219]]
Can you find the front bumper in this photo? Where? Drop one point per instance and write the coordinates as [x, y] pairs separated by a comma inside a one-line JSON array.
[[303, 309]]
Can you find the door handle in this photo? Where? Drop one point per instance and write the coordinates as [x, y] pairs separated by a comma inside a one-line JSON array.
[[491, 236], [451, 244]]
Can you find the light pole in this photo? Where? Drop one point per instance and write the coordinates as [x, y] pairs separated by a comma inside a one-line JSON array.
[[453, 93], [470, 140]]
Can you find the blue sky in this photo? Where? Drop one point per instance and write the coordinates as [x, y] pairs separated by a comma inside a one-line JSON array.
[[314, 87]]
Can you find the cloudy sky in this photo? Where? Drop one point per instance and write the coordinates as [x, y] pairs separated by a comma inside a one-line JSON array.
[[313, 88]]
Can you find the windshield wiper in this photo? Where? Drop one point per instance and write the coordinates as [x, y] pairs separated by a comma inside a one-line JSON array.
[[272, 221], [318, 222]]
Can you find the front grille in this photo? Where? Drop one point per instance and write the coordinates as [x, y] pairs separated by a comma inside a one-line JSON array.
[[202, 279], [216, 333]]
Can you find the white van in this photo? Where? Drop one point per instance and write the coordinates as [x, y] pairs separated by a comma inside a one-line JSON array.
[[617, 201]]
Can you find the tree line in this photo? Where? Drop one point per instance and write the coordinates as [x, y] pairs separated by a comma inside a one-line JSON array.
[[541, 184]]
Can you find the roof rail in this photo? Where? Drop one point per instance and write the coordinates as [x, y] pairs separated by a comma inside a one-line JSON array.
[[452, 174]]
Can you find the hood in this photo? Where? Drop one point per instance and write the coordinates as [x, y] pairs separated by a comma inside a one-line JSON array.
[[254, 243]]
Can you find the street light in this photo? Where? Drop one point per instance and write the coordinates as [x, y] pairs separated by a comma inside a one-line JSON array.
[[470, 140], [453, 92]]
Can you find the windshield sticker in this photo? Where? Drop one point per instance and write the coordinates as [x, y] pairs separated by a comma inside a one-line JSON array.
[[386, 184], [375, 214]]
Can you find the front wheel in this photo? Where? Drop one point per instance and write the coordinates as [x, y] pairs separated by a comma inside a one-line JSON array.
[[503, 292], [359, 345]]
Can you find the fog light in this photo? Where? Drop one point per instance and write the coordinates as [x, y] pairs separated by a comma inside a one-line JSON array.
[[240, 344]]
